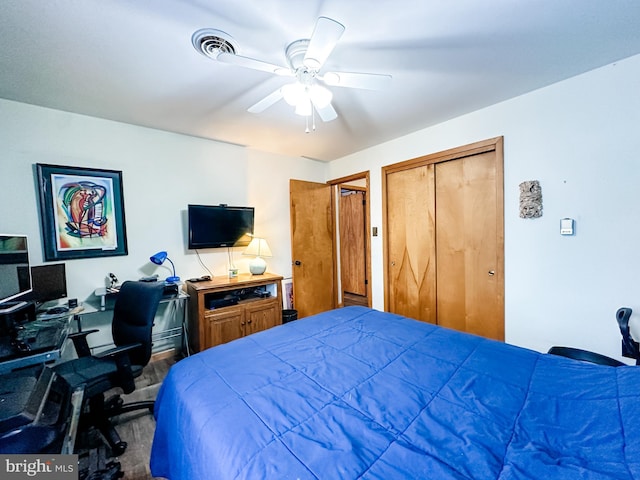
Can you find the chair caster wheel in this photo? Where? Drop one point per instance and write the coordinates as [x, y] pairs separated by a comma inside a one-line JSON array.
[[119, 448]]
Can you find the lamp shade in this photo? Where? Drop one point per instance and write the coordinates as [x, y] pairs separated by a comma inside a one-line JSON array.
[[259, 248], [159, 259]]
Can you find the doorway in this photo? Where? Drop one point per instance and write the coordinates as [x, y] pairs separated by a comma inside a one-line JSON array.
[[330, 244], [352, 234]]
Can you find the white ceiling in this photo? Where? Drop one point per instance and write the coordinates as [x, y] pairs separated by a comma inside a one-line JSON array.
[[132, 61]]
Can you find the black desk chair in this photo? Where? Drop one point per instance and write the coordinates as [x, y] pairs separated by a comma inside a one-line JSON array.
[[630, 348], [134, 311], [585, 356]]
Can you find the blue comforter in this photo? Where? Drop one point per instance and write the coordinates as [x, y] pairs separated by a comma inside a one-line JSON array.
[[357, 393]]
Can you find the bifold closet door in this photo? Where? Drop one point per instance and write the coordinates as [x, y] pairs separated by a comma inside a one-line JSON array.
[[467, 235], [444, 238], [411, 256]]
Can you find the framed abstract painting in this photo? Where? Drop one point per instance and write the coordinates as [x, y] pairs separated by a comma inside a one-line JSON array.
[[81, 212]]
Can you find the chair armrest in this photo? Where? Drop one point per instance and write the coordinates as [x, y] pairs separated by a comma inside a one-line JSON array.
[[80, 343], [117, 351], [119, 355]]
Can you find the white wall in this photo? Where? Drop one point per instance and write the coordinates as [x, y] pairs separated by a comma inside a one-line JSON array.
[[580, 139], [162, 173]]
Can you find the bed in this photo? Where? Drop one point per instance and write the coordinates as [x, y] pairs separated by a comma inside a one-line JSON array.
[[358, 393]]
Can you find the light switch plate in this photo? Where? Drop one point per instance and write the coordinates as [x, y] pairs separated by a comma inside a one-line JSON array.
[[566, 226]]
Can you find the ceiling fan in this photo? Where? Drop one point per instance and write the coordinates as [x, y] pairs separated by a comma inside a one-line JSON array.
[[305, 59]]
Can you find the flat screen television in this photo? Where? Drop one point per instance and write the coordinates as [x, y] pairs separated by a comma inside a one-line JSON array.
[[15, 275], [48, 282], [214, 226]]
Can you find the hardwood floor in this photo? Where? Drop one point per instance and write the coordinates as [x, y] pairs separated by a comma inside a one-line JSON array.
[[136, 428]]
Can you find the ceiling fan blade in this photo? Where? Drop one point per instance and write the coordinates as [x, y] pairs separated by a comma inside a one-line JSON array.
[[266, 102], [254, 64], [327, 113], [323, 40], [367, 81]]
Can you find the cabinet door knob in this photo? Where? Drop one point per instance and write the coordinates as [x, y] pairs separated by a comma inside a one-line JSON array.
[[297, 263], [491, 273]]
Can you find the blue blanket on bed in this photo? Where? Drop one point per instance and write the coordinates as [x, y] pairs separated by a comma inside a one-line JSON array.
[[357, 393]]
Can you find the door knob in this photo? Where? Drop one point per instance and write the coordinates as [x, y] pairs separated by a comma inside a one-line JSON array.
[[491, 273], [297, 263]]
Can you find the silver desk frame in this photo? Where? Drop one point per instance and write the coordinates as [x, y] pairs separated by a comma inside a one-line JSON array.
[[182, 331]]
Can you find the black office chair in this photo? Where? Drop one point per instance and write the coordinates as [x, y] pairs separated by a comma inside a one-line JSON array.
[[135, 308], [630, 348], [585, 356]]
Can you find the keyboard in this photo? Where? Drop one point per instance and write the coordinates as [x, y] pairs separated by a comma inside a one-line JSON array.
[[57, 310], [34, 338]]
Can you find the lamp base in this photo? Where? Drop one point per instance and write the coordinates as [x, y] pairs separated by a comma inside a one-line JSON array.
[[257, 266], [172, 279]]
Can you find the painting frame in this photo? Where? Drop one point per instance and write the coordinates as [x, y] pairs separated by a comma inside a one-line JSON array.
[[287, 293], [81, 212]]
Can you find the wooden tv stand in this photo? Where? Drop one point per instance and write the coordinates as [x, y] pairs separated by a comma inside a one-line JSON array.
[[223, 309]]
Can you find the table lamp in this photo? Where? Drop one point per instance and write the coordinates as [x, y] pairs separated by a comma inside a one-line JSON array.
[[259, 248], [159, 259]]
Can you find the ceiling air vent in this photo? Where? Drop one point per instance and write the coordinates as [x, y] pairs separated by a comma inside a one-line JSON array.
[[212, 43]]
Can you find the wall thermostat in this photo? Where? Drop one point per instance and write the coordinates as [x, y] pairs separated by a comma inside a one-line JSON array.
[[566, 226]]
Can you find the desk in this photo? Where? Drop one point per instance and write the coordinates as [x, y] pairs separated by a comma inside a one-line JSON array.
[[39, 412], [41, 351], [180, 298]]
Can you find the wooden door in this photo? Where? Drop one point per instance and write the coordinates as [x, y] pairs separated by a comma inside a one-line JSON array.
[[410, 223], [353, 269], [467, 236], [444, 227], [312, 247]]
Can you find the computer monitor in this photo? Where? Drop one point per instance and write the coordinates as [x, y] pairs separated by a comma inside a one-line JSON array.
[[15, 282], [49, 282]]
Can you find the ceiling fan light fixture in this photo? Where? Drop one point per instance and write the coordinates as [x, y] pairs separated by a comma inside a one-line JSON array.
[[304, 107], [320, 96], [308, 94], [293, 93]]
